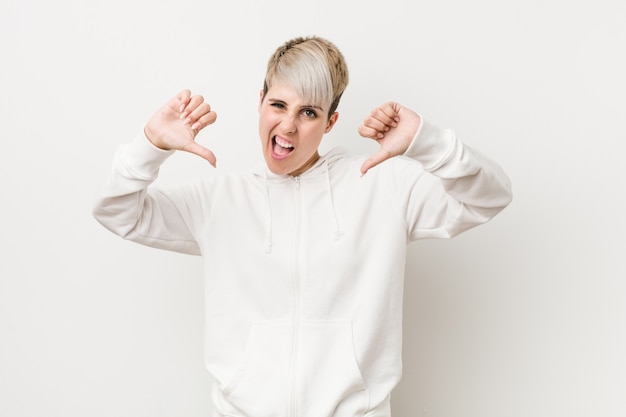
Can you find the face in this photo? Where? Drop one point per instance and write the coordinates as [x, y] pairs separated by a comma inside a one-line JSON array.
[[291, 129]]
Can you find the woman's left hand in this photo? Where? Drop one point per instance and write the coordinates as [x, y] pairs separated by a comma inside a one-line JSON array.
[[393, 127]]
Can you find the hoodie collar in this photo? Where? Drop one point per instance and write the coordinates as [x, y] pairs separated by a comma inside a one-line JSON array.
[[322, 167]]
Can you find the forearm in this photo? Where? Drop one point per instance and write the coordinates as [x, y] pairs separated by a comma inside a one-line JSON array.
[[474, 188], [127, 207]]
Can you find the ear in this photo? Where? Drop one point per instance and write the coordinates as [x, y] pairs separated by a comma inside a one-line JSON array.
[[260, 99], [331, 122]]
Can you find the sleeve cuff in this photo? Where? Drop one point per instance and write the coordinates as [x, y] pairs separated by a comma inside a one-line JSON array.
[[142, 156], [431, 145]]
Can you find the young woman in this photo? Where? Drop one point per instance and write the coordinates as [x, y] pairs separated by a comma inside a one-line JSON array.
[[304, 255]]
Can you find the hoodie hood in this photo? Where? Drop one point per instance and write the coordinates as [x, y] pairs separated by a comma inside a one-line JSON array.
[[322, 167]]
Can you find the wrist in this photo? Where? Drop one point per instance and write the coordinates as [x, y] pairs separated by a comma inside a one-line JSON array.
[[151, 135]]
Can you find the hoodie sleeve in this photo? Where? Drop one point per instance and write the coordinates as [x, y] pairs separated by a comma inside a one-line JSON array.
[[128, 207], [458, 188]]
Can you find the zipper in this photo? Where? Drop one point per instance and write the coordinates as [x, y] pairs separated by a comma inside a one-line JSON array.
[[293, 370]]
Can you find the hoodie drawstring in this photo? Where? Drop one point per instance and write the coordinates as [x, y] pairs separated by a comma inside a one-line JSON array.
[[268, 237], [337, 233]]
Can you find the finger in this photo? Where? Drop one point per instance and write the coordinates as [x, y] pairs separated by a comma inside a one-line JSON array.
[[380, 156], [380, 121], [192, 104], [391, 109], [201, 151], [204, 121], [386, 114], [369, 132], [182, 99], [197, 113], [377, 124]]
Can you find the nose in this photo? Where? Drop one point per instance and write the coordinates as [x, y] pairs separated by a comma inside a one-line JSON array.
[[288, 124]]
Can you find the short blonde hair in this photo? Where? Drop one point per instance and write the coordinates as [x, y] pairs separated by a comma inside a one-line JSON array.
[[312, 65]]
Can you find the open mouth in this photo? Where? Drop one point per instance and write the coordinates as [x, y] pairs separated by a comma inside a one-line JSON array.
[[281, 147]]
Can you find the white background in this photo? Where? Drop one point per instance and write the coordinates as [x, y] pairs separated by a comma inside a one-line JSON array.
[[522, 317]]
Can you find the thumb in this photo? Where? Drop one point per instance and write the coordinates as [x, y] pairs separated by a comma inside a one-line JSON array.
[[380, 156], [201, 151]]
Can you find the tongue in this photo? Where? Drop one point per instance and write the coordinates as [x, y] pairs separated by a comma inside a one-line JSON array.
[[279, 150]]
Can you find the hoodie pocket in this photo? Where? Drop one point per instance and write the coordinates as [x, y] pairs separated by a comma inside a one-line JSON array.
[[311, 371], [330, 380], [259, 386]]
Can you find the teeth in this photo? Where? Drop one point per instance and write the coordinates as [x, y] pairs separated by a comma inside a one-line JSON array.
[[283, 143]]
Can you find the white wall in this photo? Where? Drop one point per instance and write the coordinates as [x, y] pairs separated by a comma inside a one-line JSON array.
[[524, 316]]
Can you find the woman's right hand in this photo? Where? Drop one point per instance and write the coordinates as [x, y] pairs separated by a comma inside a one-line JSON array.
[[176, 125]]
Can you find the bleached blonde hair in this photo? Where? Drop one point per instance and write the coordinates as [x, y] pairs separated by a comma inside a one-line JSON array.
[[313, 66]]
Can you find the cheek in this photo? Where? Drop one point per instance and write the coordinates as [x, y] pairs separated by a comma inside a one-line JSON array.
[[313, 139], [318, 133], [267, 121], [263, 126]]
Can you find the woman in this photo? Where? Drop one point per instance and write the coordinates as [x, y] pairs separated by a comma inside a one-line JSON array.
[[304, 254]]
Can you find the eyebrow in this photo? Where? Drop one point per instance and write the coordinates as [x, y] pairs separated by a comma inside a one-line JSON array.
[[313, 106]]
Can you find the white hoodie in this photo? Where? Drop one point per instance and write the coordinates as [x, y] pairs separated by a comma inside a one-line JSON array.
[[304, 276]]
